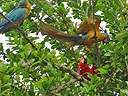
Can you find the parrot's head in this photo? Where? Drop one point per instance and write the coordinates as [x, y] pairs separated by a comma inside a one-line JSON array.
[[83, 59], [106, 38], [25, 4]]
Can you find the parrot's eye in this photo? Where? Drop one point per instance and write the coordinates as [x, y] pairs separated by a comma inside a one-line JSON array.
[[84, 59]]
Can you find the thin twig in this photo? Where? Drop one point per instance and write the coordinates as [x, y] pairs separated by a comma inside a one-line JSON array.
[[126, 61], [121, 3], [110, 7], [114, 15], [115, 62], [125, 19], [48, 14], [105, 85], [95, 37], [59, 14], [123, 14], [56, 90], [74, 54], [20, 30]]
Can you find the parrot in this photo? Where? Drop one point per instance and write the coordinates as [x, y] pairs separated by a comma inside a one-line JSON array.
[[17, 15], [84, 35], [84, 68]]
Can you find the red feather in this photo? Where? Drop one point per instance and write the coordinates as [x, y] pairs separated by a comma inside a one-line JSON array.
[[84, 68]]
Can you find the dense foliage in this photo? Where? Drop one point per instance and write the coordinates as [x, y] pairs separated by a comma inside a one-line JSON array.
[[31, 72]]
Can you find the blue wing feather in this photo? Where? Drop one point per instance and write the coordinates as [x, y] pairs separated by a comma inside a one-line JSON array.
[[79, 72], [84, 37], [15, 15]]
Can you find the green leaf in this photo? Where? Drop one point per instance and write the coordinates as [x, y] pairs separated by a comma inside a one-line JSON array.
[[107, 54], [6, 78], [103, 71], [40, 76], [85, 5], [18, 78], [51, 80], [3, 68], [122, 35], [5, 91]]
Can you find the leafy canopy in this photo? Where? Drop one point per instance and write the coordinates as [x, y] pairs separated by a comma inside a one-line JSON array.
[[32, 72]]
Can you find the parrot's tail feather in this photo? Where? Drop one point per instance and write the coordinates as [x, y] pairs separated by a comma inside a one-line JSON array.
[[49, 27], [55, 34]]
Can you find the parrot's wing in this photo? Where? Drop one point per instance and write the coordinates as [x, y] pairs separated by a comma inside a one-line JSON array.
[[61, 36], [78, 70], [87, 25], [15, 15]]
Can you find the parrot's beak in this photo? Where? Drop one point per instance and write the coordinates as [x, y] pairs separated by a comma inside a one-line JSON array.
[[106, 40]]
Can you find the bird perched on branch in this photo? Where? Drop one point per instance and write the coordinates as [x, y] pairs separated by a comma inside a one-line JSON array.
[[17, 15], [84, 68], [85, 34]]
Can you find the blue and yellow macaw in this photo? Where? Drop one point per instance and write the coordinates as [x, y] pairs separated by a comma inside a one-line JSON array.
[[86, 27], [18, 15], [84, 35]]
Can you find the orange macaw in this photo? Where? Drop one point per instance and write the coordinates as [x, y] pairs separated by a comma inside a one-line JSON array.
[[18, 15], [84, 68], [84, 35]]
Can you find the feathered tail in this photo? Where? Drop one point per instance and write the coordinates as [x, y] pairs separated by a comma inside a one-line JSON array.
[[55, 34]]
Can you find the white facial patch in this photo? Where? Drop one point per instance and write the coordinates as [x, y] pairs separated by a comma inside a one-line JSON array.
[[85, 56], [82, 59]]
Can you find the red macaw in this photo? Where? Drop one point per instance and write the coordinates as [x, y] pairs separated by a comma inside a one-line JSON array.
[[84, 68], [18, 15], [84, 35]]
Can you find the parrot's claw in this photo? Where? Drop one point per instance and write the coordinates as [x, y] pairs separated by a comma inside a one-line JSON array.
[[94, 37]]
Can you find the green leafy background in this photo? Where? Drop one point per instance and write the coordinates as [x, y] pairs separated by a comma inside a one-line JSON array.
[[30, 72]]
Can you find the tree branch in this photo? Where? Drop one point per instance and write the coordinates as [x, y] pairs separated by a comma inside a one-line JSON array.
[[105, 85], [95, 37], [125, 19], [126, 61], [47, 13], [71, 72], [20, 30], [73, 52], [115, 62], [56, 90], [121, 3]]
